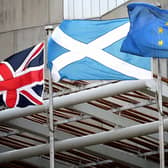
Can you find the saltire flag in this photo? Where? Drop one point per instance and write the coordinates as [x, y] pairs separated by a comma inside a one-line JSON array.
[[90, 50], [22, 78], [148, 34]]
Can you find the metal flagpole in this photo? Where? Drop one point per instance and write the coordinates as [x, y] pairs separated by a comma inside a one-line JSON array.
[[49, 30], [161, 114]]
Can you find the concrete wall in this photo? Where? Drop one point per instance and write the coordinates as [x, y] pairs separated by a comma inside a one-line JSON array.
[[121, 11], [22, 23], [164, 4]]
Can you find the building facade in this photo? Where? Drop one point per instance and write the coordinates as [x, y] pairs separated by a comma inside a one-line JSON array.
[[22, 24]]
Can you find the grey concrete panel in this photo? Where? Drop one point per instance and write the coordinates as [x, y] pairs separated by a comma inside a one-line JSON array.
[[19, 14], [29, 126], [35, 12], [121, 156], [10, 14], [14, 41], [121, 11], [56, 11], [45, 163], [6, 45], [28, 37], [164, 4], [39, 161]]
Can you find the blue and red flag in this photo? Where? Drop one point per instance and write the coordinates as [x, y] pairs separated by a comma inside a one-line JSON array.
[[22, 78]]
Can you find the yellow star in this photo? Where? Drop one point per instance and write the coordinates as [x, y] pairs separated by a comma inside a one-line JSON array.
[[160, 42], [160, 30]]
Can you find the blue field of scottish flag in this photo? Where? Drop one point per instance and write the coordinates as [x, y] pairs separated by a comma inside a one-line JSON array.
[[90, 50]]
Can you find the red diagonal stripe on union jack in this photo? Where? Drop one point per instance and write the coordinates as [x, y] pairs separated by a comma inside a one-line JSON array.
[[21, 81]]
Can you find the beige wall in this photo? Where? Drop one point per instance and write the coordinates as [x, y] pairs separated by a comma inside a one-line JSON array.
[[121, 11], [22, 23], [164, 3]]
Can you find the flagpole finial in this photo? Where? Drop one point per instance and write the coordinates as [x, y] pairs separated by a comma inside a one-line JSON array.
[[49, 29], [158, 5]]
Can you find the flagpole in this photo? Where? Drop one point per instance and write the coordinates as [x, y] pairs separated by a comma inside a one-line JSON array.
[[161, 114], [49, 30]]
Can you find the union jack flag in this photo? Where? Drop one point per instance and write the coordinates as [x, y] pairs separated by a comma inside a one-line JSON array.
[[22, 78]]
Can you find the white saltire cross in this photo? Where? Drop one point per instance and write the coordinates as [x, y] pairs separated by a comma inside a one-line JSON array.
[[94, 50]]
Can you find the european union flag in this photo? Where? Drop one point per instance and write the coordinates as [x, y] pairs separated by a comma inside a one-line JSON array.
[[148, 34], [90, 50]]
